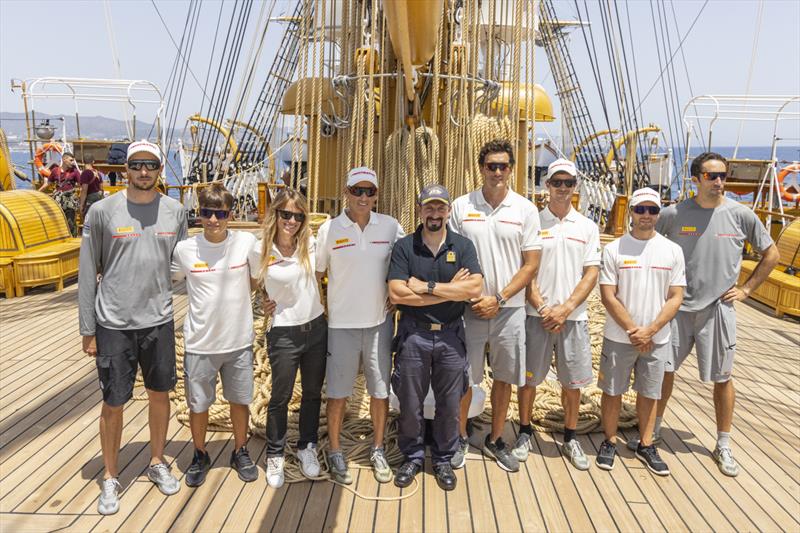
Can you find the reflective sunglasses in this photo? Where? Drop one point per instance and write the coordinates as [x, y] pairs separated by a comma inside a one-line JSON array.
[[149, 164], [494, 167], [712, 176], [559, 183], [358, 191], [642, 209], [287, 215], [221, 214]]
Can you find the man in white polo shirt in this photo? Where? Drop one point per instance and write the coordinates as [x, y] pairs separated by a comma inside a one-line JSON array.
[[556, 309], [641, 283], [504, 228], [354, 249]]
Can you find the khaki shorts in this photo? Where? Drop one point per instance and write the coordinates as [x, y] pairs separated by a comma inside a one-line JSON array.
[[353, 347], [572, 350], [713, 332], [505, 335], [619, 360]]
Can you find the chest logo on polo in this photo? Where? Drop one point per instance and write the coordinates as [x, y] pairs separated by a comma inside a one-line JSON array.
[[546, 234], [451, 257], [124, 232], [200, 265], [689, 231], [628, 264], [273, 260], [474, 217], [343, 243]]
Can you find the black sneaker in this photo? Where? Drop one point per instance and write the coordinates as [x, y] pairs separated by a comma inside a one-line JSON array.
[[405, 474], [605, 457], [244, 466], [649, 456], [500, 453], [445, 477], [201, 464]]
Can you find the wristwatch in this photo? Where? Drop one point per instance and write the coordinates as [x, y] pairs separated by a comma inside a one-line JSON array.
[[431, 286], [500, 300]]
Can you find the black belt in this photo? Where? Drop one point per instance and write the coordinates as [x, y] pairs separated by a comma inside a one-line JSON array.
[[433, 326]]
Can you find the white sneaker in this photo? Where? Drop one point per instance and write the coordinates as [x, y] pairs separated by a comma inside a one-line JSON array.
[[161, 475], [727, 464], [109, 497], [275, 471], [309, 464]]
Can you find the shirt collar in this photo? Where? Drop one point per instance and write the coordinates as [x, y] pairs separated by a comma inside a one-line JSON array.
[[419, 244], [506, 202], [347, 221], [571, 216]]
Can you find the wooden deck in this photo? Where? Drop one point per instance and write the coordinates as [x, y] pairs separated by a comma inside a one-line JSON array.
[[50, 456]]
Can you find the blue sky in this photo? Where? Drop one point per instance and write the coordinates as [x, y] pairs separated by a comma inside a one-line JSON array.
[[70, 38]]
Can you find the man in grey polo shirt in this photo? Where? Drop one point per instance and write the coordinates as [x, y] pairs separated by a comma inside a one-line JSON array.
[[126, 317], [711, 229]]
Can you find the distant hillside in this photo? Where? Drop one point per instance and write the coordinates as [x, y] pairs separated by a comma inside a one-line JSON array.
[[96, 127]]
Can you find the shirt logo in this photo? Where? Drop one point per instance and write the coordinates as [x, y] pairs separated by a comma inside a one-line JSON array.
[[200, 265], [125, 229], [474, 217], [451, 257], [689, 231], [125, 232], [628, 264], [342, 241]]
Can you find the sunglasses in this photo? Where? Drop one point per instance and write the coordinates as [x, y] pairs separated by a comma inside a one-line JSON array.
[[287, 215], [712, 176], [358, 191], [494, 167], [642, 209], [221, 214], [562, 183], [148, 164]]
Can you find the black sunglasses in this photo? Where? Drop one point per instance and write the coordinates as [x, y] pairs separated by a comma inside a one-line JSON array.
[[147, 163], [641, 209], [559, 183], [494, 167], [221, 214], [358, 191], [287, 215], [712, 176]]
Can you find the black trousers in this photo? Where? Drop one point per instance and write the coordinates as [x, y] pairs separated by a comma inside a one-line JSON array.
[[294, 348]]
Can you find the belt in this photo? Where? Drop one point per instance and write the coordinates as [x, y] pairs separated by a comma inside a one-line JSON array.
[[433, 326], [303, 328]]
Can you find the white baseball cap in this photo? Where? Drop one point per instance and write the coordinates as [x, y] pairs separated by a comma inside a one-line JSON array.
[[144, 146], [360, 174], [561, 165], [645, 194]]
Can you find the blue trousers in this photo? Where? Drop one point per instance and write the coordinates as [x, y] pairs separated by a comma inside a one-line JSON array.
[[424, 359]]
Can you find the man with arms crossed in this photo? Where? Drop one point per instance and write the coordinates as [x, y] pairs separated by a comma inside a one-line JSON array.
[[433, 272], [126, 318], [711, 230], [641, 285], [354, 248], [556, 309], [504, 228], [218, 330]]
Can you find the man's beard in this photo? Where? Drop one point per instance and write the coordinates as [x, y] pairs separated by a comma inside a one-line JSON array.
[[433, 224], [143, 188]]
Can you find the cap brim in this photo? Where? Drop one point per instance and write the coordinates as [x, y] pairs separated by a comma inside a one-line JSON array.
[[429, 200]]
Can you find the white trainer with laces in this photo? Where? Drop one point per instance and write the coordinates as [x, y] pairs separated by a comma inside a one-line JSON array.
[[309, 464], [109, 497], [160, 475], [725, 461], [275, 471]]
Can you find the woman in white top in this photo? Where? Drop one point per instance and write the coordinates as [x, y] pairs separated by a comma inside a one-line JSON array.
[[298, 339]]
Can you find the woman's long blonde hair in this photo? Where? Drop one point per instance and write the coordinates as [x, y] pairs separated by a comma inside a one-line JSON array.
[[269, 230]]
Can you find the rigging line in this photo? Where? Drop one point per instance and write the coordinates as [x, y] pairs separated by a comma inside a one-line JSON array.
[[608, 38], [672, 82], [680, 45], [181, 80], [657, 35], [214, 45], [701, 135], [750, 69], [173, 80], [177, 48], [172, 73]]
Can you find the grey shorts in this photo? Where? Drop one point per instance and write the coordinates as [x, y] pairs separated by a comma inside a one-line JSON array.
[[349, 348], [713, 332], [619, 360], [200, 375], [572, 349], [505, 335]]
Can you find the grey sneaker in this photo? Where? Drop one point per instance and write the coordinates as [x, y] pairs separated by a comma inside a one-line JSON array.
[[574, 452], [380, 466], [633, 444], [459, 458], [605, 456], [338, 468], [522, 446], [244, 466], [109, 497], [649, 456], [498, 451], [725, 461], [163, 478]]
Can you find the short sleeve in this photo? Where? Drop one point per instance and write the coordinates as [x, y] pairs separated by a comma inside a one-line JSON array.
[[254, 259], [177, 269], [530, 230], [400, 233], [455, 217], [183, 225], [608, 268], [321, 251], [470, 260], [756, 233], [593, 250], [87, 176], [664, 222], [399, 264], [678, 278]]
